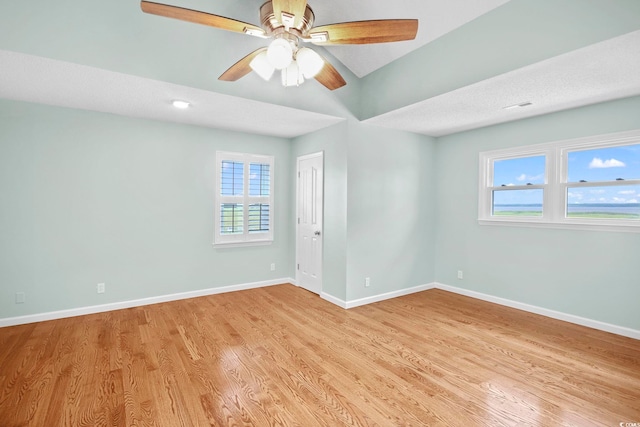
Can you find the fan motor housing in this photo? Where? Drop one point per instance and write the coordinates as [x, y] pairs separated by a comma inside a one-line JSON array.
[[273, 25]]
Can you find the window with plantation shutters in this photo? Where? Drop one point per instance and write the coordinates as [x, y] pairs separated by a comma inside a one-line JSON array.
[[244, 199]]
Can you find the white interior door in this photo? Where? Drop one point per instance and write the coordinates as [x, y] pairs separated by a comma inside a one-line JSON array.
[[309, 222]]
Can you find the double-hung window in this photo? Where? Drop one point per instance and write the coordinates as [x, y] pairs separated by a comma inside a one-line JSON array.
[[244, 211], [519, 185], [591, 183], [602, 183]]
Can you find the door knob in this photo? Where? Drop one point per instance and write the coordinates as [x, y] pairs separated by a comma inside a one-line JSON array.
[[317, 233]]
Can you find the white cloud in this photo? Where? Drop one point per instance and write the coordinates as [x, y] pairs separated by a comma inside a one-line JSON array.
[[529, 178], [627, 192], [597, 191], [623, 200], [574, 195], [598, 163]]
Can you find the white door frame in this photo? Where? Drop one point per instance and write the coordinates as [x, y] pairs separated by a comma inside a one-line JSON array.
[[297, 218]]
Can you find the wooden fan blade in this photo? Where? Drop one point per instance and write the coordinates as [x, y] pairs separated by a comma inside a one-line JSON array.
[[366, 32], [198, 17], [293, 7], [330, 77], [240, 68]]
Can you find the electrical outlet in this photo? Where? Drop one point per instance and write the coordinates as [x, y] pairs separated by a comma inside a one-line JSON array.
[[273, 266], [367, 282], [20, 297], [100, 287], [460, 274]]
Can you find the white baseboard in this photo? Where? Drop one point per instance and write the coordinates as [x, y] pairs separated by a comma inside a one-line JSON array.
[[595, 324], [375, 298], [41, 317], [52, 315], [388, 295], [333, 300]]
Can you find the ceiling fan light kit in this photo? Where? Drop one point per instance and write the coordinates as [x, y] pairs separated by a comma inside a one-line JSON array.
[[262, 66], [291, 76], [280, 53], [303, 64], [290, 23], [309, 61]]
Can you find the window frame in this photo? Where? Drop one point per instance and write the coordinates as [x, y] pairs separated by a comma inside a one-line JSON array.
[[489, 177], [555, 187], [245, 238]]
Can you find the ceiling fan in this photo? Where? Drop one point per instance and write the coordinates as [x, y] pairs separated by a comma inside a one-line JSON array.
[[290, 24]]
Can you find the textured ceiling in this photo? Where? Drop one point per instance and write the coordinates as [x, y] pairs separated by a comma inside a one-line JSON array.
[[601, 72], [90, 66], [436, 18], [47, 81]]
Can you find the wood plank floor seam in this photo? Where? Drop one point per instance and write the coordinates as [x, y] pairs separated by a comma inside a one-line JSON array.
[[281, 356]]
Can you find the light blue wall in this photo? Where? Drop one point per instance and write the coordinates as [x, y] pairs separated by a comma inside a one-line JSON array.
[[90, 197], [333, 143], [379, 210], [593, 274], [390, 215]]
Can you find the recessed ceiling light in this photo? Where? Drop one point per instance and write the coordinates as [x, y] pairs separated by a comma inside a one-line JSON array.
[[522, 104], [180, 104]]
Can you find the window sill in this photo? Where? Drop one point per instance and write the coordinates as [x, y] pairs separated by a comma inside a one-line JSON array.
[[568, 225], [242, 244]]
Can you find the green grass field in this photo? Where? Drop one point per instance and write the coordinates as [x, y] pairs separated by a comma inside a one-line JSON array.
[[603, 215], [597, 215], [517, 213]]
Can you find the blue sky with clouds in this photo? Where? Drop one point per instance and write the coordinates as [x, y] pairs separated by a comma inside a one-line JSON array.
[[606, 164]]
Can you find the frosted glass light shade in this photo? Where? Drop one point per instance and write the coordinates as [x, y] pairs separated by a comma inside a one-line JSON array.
[[309, 61], [280, 54], [262, 66], [291, 76]]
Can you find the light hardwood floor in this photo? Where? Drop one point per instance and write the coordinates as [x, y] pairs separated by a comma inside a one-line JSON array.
[[282, 356]]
